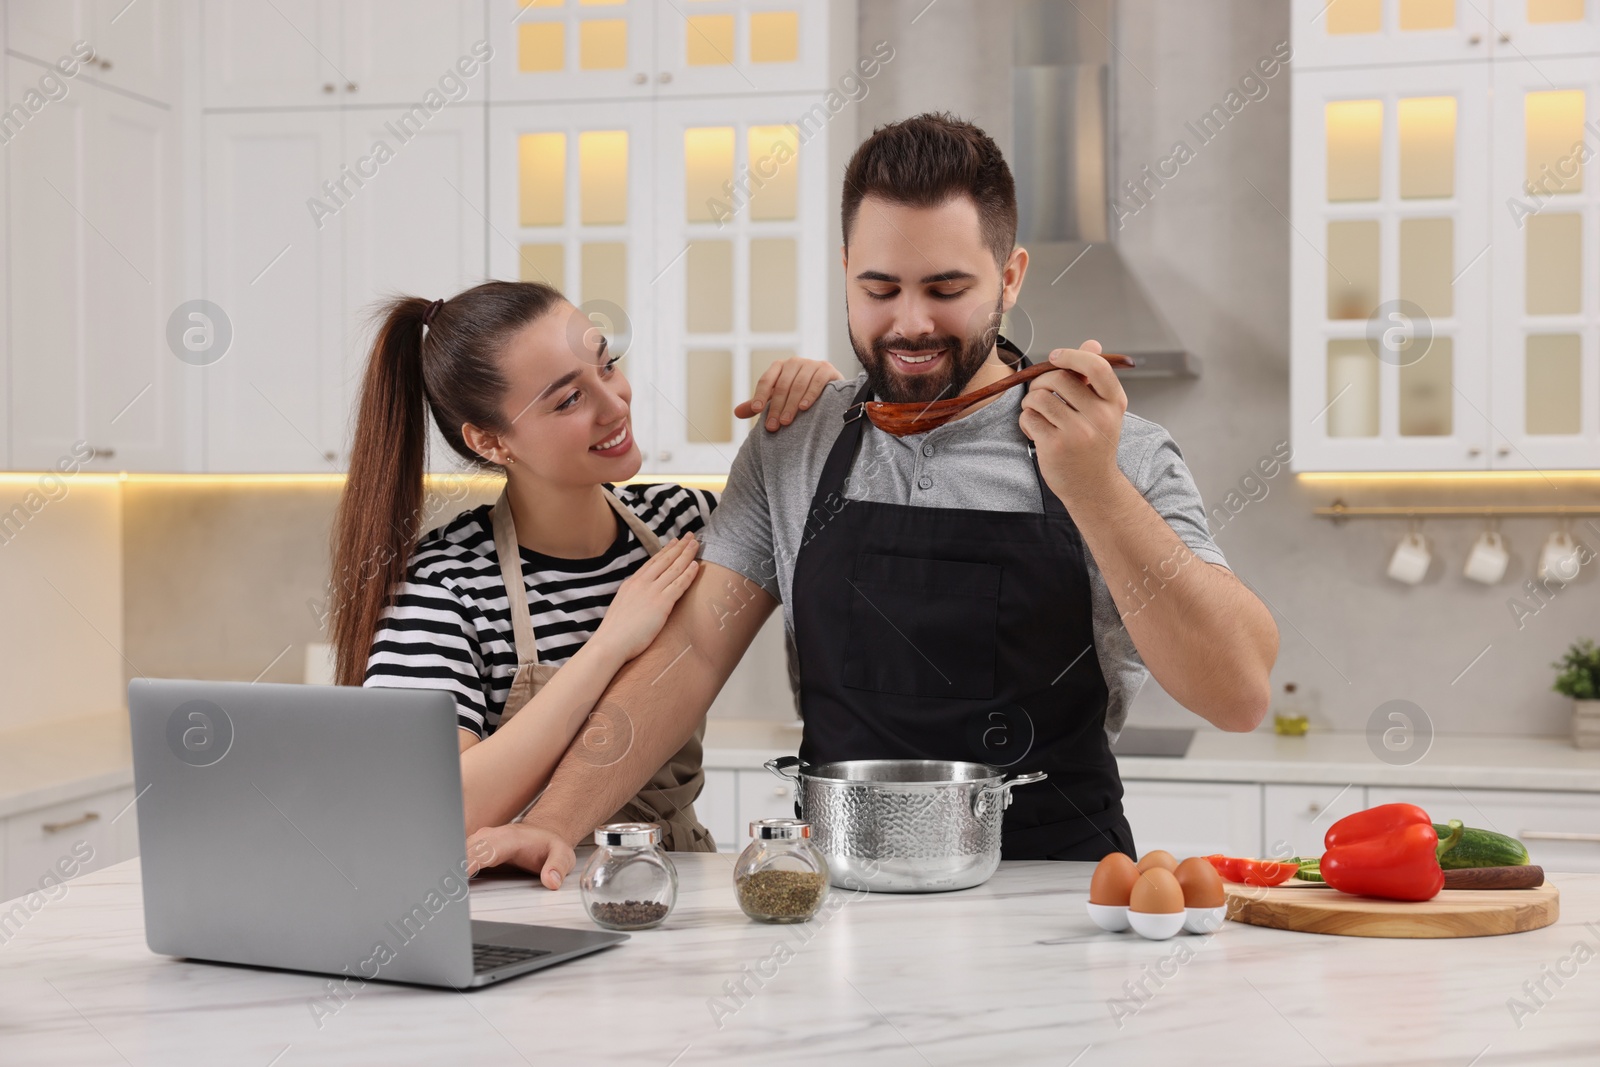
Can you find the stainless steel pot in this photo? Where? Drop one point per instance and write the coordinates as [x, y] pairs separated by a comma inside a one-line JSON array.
[[904, 826]]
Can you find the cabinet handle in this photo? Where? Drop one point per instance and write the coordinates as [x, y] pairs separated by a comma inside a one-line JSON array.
[[1474, 452], [105, 64], [1552, 835], [350, 87], [641, 78], [57, 827], [1313, 808], [1475, 39], [96, 452], [1502, 451], [330, 456], [664, 77], [1505, 38], [663, 455]]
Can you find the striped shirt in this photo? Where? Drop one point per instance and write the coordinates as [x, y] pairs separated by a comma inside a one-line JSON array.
[[449, 627]]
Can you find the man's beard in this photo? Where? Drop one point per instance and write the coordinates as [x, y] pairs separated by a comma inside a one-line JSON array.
[[963, 357]]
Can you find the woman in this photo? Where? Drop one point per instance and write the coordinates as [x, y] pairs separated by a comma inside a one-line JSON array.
[[519, 381]]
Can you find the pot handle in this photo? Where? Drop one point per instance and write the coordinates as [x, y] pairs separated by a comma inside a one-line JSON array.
[[986, 796], [781, 765]]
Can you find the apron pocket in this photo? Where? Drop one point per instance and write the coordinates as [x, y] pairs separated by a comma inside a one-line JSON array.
[[922, 627]]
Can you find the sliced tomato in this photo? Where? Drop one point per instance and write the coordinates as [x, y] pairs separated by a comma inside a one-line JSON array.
[[1253, 872]]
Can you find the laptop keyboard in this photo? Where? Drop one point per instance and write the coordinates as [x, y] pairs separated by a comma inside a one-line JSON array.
[[488, 957]]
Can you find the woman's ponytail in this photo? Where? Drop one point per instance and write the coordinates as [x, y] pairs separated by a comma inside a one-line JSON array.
[[453, 369], [378, 514]]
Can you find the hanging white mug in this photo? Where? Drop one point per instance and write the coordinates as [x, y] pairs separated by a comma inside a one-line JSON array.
[[1488, 559], [1559, 559], [1411, 558]]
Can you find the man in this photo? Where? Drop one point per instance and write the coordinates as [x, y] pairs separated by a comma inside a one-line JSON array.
[[954, 594]]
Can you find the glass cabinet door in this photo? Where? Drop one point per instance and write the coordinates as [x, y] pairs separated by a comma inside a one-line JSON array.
[[1343, 33], [571, 204], [1546, 355], [572, 49], [1527, 28], [742, 235], [741, 46], [1389, 255]]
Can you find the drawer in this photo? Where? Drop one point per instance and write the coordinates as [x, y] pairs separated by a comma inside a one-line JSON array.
[[69, 839], [763, 795], [1194, 818], [1561, 830], [1295, 818], [718, 808]]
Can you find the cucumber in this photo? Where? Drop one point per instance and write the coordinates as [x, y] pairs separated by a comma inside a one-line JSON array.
[[1462, 847], [1310, 870]]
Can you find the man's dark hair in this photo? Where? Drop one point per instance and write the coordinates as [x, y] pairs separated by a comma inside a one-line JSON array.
[[926, 160]]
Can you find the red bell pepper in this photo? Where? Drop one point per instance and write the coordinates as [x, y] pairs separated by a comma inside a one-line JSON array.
[[1252, 872], [1390, 851]]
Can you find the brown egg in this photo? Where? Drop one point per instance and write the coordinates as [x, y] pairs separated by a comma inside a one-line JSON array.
[[1159, 857], [1113, 880], [1156, 892], [1200, 882]]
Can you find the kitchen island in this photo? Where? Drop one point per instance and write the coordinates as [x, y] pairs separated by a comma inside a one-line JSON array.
[[1010, 972]]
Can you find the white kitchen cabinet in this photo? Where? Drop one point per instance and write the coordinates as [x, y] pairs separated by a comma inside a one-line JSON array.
[[92, 255], [741, 250], [1545, 392], [1446, 201], [1538, 28], [1194, 818], [1561, 830], [1295, 818], [275, 399], [1391, 288], [415, 228], [571, 203], [738, 47], [717, 808], [315, 53], [135, 45], [1344, 33], [395, 51], [645, 216], [84, 835], [639, 49], [282, 54]]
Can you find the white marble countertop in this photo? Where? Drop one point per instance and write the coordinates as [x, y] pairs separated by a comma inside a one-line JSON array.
[[1011, 972], [1483, 761], [50, 762]]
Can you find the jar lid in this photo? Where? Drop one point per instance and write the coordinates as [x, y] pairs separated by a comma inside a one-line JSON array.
[[780, 829], [628, 833]]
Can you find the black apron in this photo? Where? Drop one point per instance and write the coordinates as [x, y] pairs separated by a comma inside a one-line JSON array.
[[958, 634]]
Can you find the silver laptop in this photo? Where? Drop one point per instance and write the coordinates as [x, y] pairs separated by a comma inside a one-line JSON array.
[[316, 828]]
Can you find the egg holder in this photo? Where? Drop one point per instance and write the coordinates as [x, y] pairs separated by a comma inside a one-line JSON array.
[[1157, 926]]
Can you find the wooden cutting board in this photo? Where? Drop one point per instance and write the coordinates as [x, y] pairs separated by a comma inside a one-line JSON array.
[[1317, 909]]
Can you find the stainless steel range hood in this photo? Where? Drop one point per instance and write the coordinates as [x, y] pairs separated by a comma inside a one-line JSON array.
[[1077, 285]]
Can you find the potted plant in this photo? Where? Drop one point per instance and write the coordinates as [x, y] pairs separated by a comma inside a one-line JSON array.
[[1579, 678]]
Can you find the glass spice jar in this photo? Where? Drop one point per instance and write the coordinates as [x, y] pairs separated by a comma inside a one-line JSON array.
[[629, 883], [780, 877]]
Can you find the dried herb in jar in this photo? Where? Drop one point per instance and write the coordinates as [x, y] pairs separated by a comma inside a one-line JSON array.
[[781, 895]]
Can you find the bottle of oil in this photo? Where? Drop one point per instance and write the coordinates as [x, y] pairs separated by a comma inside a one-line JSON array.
[[1289, 717]]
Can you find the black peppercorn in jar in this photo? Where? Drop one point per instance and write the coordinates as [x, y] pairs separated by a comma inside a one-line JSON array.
[[629, 883], [780, 877]]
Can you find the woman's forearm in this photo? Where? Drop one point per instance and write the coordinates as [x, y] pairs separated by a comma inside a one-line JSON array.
[[501, 774]]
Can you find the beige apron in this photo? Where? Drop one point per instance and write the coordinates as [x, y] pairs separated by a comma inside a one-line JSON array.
[[668, 798]]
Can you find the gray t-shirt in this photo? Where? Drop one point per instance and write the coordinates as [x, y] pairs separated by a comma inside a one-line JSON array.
[[978, 461]]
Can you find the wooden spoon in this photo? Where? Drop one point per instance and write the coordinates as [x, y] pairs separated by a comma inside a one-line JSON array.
[[904, 419]]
